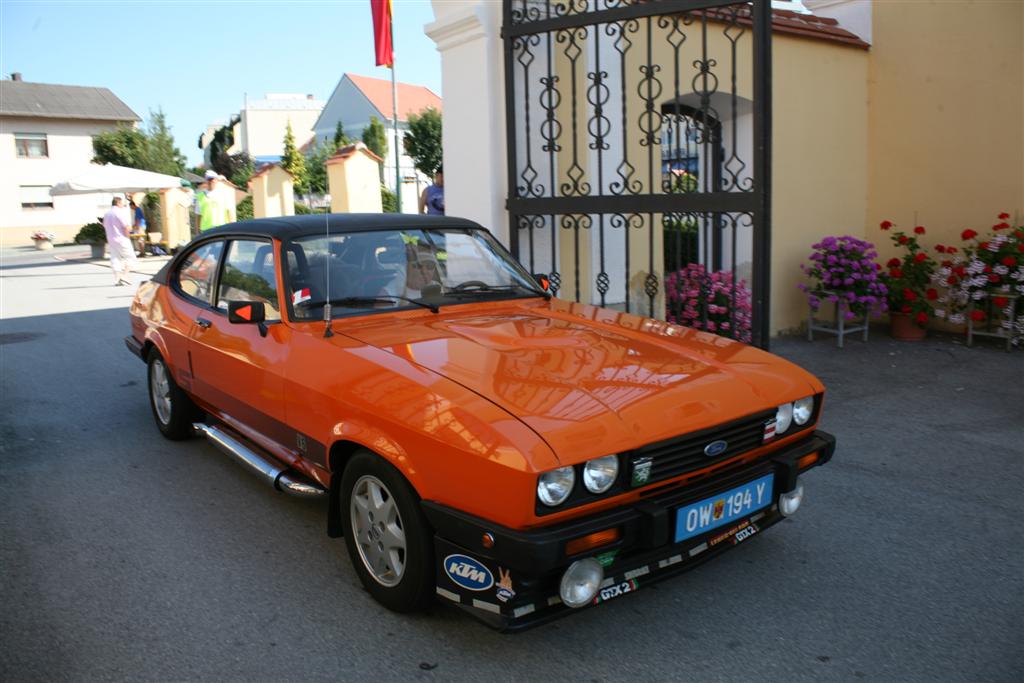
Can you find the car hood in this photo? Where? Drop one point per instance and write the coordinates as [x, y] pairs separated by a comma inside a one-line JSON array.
[[588, 380]]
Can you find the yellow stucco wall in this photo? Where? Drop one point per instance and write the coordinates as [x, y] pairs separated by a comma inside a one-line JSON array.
[[820, 160], [354, 183], [946, 116], [273, 194]]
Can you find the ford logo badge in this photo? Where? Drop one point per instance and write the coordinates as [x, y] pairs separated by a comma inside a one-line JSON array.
[[715, 448], [468, 573]]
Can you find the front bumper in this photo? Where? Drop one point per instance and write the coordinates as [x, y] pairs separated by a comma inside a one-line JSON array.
[[525, 566]]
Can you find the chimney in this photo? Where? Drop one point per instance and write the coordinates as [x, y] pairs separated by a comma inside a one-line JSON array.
[[16, 76]]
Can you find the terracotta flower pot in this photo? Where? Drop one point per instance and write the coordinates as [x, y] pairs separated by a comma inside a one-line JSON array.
[[903, 328]]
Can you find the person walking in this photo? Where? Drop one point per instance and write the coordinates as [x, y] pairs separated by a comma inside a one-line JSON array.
[[432, 198], [117, 224]]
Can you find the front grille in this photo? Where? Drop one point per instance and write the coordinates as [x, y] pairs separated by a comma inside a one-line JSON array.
[[682, 454]]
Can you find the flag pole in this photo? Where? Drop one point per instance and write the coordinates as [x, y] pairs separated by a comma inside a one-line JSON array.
[[394, 118]]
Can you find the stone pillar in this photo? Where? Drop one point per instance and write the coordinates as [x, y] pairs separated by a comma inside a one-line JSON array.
[[353, 180], [175, 210], [273, 192], [468, 36]]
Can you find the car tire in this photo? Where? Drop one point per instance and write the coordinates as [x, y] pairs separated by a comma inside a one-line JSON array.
[[173, 410], [389, 540]]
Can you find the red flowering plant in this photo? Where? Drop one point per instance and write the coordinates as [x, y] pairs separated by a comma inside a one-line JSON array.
[[711, 301], [909, 277], [844, 268], [984, 267]]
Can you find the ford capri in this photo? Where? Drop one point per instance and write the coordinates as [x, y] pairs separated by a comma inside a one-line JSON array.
[[474, 438]]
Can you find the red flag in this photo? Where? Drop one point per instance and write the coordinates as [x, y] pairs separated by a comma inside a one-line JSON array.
[[382, 32]]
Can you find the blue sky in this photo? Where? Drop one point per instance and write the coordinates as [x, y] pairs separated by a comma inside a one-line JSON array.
[[198, 59]]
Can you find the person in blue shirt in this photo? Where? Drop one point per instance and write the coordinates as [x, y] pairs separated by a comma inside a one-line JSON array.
[[432, 198], [138, 227]]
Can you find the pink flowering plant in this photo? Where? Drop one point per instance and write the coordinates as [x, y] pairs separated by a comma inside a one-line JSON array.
[[709, 301], [43, 236], [986, 267], [844, 268]]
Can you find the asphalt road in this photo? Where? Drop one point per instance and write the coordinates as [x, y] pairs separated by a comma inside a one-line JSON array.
[[126, 556]]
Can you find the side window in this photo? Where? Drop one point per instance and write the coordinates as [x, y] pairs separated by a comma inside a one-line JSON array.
[[194, 277], [249, 276]]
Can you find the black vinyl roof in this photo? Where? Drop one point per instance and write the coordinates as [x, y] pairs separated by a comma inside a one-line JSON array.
[[290, 227]]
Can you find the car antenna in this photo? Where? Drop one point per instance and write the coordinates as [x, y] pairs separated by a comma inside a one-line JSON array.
[[327, 271]]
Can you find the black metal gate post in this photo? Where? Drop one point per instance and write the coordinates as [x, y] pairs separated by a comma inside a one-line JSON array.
[[596, 89]]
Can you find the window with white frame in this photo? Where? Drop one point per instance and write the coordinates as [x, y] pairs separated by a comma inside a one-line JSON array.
[[31, 145], [36, 197]]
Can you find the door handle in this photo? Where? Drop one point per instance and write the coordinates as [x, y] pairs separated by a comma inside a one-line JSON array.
[[203, 323]]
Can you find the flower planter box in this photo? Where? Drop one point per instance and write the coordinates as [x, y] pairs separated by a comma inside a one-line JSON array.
[[43, 245], [839, 326], [903, 328], [987, 330]]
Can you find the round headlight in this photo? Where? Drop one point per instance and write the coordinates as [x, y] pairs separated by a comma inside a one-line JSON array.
[[803, 409], [581, 582], [783, 418], [599, 474], [555, 486]]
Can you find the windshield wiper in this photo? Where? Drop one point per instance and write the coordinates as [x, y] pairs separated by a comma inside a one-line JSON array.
[[482, 288], [366, 300]]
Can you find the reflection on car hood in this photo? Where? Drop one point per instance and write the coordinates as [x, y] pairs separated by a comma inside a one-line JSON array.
[[588, 380]]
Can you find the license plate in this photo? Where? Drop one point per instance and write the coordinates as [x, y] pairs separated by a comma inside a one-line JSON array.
[[718, 510]]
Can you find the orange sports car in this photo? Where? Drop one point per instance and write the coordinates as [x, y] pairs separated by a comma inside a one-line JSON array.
[[474, 437]]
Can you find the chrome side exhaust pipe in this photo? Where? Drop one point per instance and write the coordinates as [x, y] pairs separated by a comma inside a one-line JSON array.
[[266, 468]]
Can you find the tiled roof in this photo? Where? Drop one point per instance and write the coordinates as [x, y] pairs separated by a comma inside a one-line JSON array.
[[412, 99], [813, 26], [264, 169], [348, 150], [797, 24], [43, 100]]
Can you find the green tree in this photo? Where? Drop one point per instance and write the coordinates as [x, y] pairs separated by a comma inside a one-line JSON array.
[[375, 139], [150, 149], [162, 155], [340, 139], [388, 200], [316, 167], [123, 146], [243, 211], [423, 141], [237, 168], [293, 161]]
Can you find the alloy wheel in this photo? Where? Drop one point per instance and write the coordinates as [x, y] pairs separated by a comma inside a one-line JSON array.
[[378, 531], [160, 390]]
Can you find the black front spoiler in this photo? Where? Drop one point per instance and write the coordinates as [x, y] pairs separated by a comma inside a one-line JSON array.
[[525, 566], [135, 346]]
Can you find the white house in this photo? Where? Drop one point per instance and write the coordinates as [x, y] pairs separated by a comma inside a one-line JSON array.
[[259, 127], [355, 99], [46, 136]]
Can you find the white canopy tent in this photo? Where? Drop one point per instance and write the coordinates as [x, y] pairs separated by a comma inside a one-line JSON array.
[[111, 179]]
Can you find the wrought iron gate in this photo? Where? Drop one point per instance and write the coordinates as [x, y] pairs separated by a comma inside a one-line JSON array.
[[639, 139]]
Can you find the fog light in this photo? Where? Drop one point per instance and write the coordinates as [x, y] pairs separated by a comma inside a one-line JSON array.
[[581, 582], [790, 502]]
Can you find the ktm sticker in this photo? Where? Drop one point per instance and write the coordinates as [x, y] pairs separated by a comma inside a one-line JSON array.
[[301, 295]]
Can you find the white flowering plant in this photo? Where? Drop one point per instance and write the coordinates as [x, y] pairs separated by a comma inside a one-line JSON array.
[[989, 267]]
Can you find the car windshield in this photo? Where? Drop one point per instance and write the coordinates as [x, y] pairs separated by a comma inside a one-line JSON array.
[[361, 272]]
